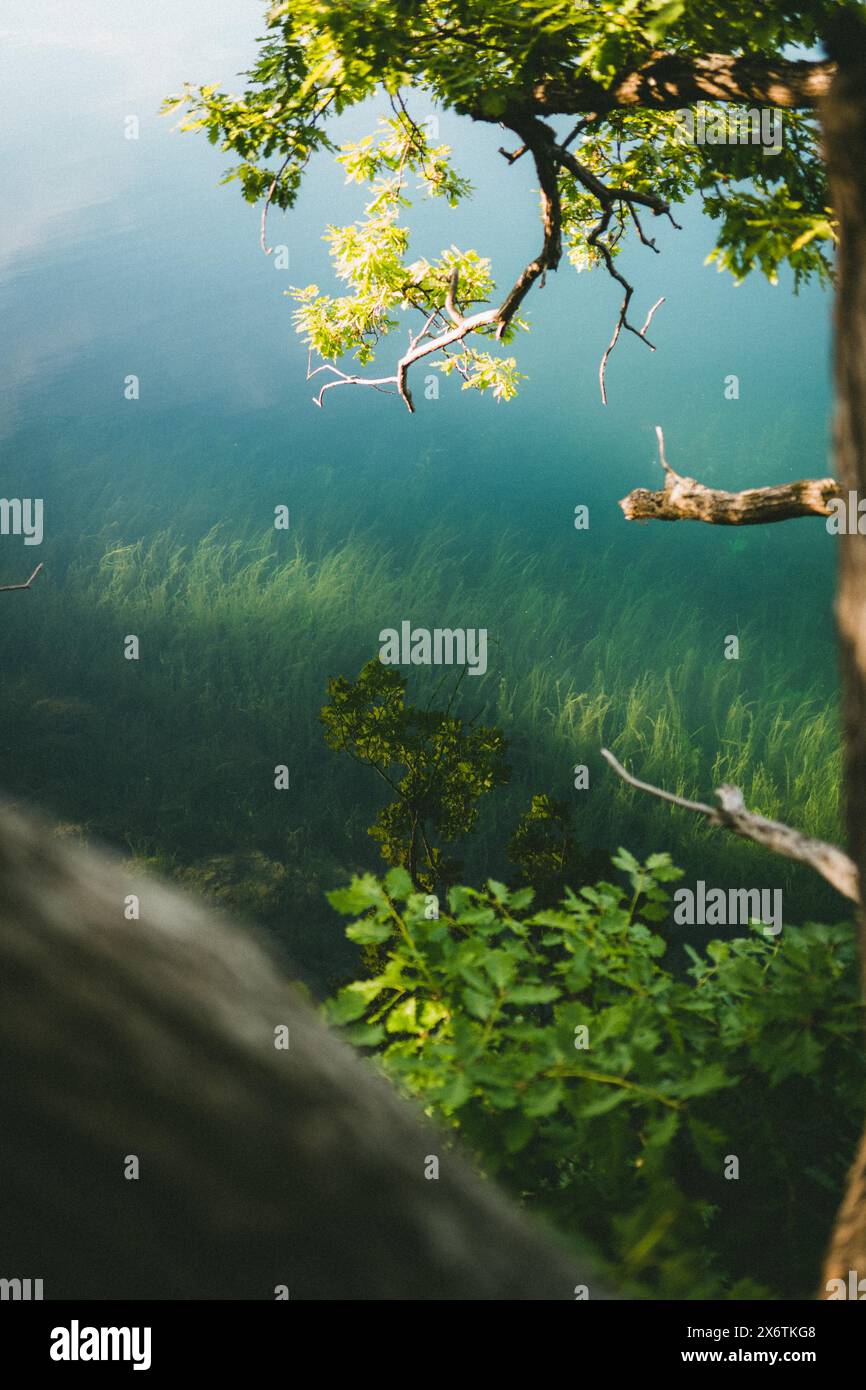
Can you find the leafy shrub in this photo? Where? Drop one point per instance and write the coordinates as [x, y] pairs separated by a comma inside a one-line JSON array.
[[546, 852], [436, 767], [611, 1092]]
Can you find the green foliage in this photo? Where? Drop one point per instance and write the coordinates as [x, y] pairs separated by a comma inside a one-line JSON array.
[[486, 59], [371, 257], [765, 231], [609, 1091], [545, 850], [771, 210], [436, 767]]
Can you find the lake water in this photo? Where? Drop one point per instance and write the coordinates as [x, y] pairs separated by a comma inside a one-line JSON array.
[[125, 257]]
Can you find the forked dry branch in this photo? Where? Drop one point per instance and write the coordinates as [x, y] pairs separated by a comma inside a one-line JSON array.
[[828, 861], [685, 499], [8, 588]]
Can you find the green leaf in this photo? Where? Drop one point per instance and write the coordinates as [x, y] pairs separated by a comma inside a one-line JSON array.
[[479, 1005], [350, 1003], [533, 994], [609, 1099], [401, 1019], [361, 894], [543, 1099], [398, 883], [370, 932], [501, 967], [364, 1034], [521, 899], [456, 1092], [711, 1078]]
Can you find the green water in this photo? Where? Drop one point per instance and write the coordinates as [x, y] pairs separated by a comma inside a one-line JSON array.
[[123, 257]]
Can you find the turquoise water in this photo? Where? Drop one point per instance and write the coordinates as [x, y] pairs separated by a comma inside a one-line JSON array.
[[123, 257]]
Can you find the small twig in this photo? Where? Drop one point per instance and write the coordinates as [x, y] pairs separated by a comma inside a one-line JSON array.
[[660, 436], [578, 129], [649, 318], [345, 379], [451, 309], [610, 199], [513, 155], [7, 588], [268, 250], [647, 241], [419, 337], [828, 861]]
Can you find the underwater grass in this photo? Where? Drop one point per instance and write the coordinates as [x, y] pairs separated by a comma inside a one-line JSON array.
[[172, 756]]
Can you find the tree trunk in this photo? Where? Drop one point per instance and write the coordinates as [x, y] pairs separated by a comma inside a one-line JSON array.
[[844, 125]]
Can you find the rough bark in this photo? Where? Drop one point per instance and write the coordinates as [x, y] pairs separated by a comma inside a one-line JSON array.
[[685, 499], [844, 128], [258, 1167], [668, 81]]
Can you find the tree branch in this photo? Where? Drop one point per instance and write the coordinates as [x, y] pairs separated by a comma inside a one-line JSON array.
[[609, 198], [684, 499], [263, 226], [7, 588], [540, 139], [828, 861], [535, 135], [668, 81]]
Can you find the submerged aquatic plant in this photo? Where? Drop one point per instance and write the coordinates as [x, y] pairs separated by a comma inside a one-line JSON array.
[[240, 638]]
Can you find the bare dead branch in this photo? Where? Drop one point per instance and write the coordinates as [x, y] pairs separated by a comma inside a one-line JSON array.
[[684, 499], [828, 861], [8, 588], [610, 199]]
